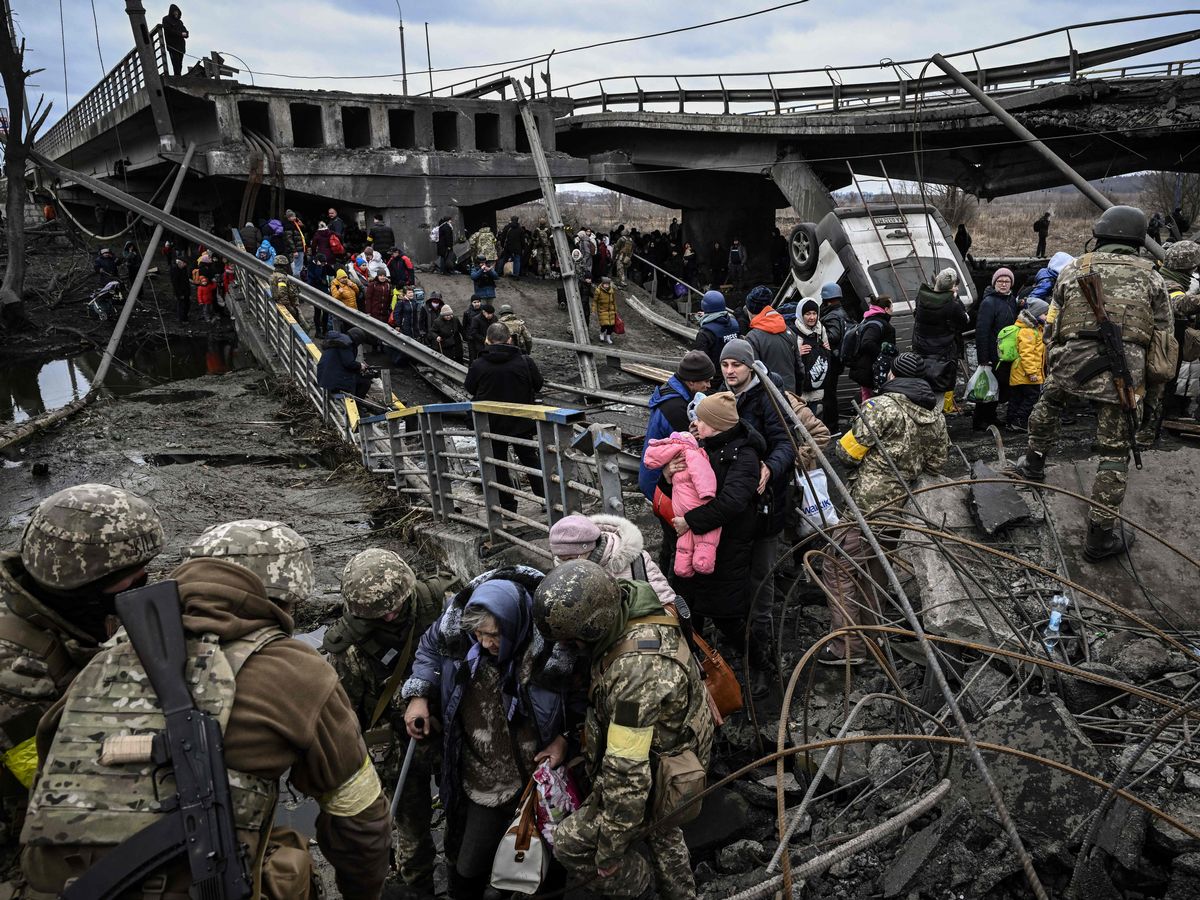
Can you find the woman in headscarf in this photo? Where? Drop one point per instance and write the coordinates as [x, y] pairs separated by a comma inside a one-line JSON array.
[[499, 692]]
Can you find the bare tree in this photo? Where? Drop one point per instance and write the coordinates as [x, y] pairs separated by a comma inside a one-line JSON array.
[[955, 204], [1159, 193], [17, 143]]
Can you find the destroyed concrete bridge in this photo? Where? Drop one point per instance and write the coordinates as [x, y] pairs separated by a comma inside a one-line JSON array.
[[728, 156]]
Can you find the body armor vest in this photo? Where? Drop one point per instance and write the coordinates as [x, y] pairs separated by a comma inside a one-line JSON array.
[[1126, 298], [80, 801]]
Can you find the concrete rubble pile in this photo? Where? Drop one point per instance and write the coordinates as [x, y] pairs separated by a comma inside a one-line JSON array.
[[1087, 732]]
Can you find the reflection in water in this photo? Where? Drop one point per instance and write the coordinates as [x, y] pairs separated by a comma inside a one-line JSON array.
[[28, 389]]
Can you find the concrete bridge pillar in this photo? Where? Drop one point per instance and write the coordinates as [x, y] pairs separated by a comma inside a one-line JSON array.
[[281, 122], [806, 193], [380, 132], [229, 121], [331, 124]]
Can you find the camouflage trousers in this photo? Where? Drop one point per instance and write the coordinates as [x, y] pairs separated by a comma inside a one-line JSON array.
[[1152, 408], [415, 853], [541, 256], [575, 842], [622, 266], [1112, 439]]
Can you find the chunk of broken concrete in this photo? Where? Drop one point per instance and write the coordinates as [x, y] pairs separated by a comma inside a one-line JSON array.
[[1039, 798], [920, 847], [995, 505], [740, 856]]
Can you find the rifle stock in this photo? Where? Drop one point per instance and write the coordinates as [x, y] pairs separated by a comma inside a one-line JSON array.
[[1112, 349]]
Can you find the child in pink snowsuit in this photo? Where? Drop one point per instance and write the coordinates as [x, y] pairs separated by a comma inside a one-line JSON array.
[[694, 486]]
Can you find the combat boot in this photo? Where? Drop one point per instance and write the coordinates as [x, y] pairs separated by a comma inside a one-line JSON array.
[[762, 670], [1032, 466], [1104, 541]]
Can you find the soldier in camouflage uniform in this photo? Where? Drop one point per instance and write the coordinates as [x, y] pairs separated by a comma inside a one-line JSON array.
[[623, 256], [1136, 300], [904, 422], [371, 648], [284, 292], [81, 547], [281, 711], [646, 703], [1180, 262], [543, 245], [483, 243], [522, 338]]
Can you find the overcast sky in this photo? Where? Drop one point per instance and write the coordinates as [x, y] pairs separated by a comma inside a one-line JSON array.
[[360, 37]]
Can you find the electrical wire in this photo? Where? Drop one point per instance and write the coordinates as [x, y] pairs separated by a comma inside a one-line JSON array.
[[62, 31]]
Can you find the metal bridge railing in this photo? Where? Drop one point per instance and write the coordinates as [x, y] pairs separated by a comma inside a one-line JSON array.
[[444, 456], [125, 83]]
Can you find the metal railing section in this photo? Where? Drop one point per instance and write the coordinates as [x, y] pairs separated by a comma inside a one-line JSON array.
[[445, 456], [124, 84], [683, 304]]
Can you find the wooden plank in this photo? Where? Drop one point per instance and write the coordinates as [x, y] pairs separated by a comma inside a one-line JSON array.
[[650, 373]]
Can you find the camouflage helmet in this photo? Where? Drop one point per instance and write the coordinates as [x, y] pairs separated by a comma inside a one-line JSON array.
[[375, 583], [84, 534], [271, 550], [576, 601], [1124, 224], [280, 261], [1182, 256]]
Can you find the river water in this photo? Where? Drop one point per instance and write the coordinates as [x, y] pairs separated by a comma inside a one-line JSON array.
[[28, 389]]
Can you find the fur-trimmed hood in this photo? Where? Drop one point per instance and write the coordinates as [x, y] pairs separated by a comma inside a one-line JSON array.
[[622, 542]]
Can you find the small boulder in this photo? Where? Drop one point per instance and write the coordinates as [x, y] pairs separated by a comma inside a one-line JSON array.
[[740, 856]]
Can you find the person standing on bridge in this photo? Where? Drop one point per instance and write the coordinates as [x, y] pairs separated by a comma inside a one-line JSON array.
[[176, 35], [503, 374], [737, 263], [445, 335], [1042, 229], [604, 297]]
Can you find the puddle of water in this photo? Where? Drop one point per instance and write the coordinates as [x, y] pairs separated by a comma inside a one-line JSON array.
[[30, 389]]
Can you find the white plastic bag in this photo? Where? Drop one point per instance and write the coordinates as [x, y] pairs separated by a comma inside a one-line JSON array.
[[817, 511], [982, 387]]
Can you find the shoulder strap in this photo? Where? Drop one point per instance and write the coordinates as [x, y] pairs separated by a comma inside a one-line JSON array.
[[638, 568], [42, 644], [393, 682], [643, 645], [241, 649]]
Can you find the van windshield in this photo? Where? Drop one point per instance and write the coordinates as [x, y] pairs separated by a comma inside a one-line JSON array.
[[901, 278]]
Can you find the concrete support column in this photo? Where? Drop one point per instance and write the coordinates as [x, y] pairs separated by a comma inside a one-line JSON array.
[[423, 128], [751, 225], [281, 122], [411, 226], [466, 131], [331, 125], [229, 121], [508, 128], [380, 132], [805, 192]]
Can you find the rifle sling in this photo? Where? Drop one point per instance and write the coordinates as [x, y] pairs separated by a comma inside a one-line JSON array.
[[131, 861], [393, 682]]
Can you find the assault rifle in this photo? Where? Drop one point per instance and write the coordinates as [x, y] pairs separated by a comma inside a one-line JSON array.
[[199, 819], [1112, 357]]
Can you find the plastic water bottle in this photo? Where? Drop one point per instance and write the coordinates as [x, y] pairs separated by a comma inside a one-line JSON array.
[[1051, 634]]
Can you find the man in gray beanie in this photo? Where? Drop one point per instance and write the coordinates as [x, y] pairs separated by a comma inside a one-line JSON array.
[[756, 409]]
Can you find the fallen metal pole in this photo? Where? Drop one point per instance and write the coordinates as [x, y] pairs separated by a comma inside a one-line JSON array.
[[1085, 187], [566, 268], [136, 288], [610, 351]]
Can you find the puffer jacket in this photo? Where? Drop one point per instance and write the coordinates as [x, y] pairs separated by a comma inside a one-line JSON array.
[[1031, 353], [377, 297], [338, 370], [621, 543], [668, 412], [441, 675], [938, 323], [344, 290], [604, 302], [775, 345]]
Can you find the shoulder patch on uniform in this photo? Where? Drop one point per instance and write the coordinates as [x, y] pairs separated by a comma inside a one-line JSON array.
[[626, 713]]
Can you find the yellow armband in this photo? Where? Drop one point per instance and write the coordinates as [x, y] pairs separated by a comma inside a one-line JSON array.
[[853, 448], [629, 743], [358, 792], [22, 761]]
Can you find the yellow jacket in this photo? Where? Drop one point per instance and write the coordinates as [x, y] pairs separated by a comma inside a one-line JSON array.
[[344, 290], [1030, 365]]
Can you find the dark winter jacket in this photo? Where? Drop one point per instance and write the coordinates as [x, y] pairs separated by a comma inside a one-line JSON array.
[[734, 456], [504, 374], [512, 237], [757, 411], [476, 332], [938, 323], [106, 265], [377, 296], [836, 323], [401, 269], [445, 241], [917, 390], [175, 33], [485, 283], [382, 237], [250, 237], [996, 312], [181, 280], [337, 226], [320, 243], [450, 332], [873, 337], [775, 344], [668, 413], [441, 673], [338, 370], [713, 336]]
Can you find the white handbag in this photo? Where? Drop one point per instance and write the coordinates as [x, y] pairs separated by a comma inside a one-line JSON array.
[[521, 860]]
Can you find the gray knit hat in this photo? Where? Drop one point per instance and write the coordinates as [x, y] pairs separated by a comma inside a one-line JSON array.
[[908, 365], [741, 350]]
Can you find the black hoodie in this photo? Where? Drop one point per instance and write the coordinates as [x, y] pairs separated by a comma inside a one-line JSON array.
[[174, 30], [917, 390]]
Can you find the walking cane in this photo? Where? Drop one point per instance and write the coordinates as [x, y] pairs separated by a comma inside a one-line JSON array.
[[408, 758]]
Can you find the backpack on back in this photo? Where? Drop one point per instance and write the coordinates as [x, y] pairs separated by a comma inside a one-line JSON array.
[[336, 247], [435, 233], [852, 341], [1006, 343]]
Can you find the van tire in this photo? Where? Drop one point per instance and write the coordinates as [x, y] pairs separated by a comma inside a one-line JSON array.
[[803, 250]]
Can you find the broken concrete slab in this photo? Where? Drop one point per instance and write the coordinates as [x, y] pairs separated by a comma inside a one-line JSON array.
[[918, 849], [1038, 797], [741, 856], [722, 818], [1123, 834], [1185, 878], [995, 505]]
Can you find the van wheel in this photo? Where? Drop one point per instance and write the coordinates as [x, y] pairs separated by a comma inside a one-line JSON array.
[[802, 248]]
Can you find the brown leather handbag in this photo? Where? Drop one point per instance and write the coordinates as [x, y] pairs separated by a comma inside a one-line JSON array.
[[724, 692]]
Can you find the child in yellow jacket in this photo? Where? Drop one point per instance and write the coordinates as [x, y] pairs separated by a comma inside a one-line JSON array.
[[1028, 371]]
